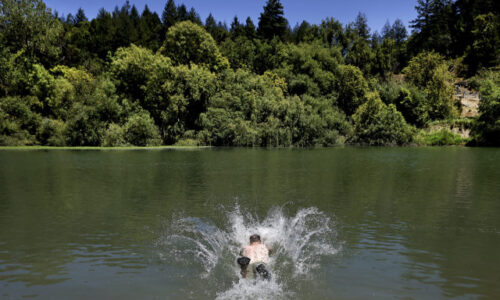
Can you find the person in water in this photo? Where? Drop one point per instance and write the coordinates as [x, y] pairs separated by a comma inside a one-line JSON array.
[[254, 260]]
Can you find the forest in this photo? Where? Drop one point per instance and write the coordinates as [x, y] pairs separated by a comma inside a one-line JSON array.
[[139, 78]]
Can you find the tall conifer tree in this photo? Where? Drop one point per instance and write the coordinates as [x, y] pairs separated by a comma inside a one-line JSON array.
[[80, 16], [150, 28], [399, 31], [210, 23], [249, 28], [193, 16], [236, 27], [272, 22], [169, 16], [218, 31], [361, 26], [182, 13]]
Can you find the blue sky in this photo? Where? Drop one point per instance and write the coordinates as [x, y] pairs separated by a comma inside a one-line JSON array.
[[313, 11]]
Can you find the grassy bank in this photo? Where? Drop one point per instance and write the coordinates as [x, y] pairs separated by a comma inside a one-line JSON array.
[[443, 137], [422, 140], [30, 148]]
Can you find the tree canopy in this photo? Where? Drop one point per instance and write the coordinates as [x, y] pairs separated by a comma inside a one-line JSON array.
[[187, 43], [131, 77]]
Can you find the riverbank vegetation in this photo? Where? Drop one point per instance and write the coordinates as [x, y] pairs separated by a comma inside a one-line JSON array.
[[130, 78]]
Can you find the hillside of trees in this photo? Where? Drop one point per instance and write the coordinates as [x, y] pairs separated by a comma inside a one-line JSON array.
[[138, 78]]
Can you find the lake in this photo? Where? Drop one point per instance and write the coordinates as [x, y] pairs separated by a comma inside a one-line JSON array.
[[343, 223]]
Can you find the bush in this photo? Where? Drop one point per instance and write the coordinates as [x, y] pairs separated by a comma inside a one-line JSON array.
[[486, 131], [352, 88], [83, 127], [18, 124], [377, 124], [42, 85], [114, 136], [251, 110], [464, 123], [477, 81], [105, 101], [187, 143], [51, 133], [175, 100], [11, 134], [413, 104], [140, 130], [334, 126], [443, 137], [219, 130]]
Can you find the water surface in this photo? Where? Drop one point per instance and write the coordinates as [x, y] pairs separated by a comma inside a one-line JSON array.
[[345, 223]]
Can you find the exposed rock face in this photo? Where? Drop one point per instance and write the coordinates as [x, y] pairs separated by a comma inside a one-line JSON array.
[[469, 100], [470, 108]]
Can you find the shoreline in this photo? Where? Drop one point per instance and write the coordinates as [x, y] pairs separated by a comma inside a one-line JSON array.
[[98, 148], [159, 148]]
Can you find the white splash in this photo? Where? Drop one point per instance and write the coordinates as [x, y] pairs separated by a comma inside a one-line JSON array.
[[298, 243]]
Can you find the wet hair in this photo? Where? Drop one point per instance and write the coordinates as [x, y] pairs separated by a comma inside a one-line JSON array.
[[254, 238]]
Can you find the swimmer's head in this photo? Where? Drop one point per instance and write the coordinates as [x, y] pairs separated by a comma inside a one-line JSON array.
[[254, 238]]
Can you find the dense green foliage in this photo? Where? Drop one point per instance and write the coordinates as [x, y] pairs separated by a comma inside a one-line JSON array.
[[376, 123], [126, 78], [486, 131], [444, 137], [467, 29], [188, 43], [429, 72]]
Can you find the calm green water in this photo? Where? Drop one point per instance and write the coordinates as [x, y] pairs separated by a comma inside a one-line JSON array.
[[349, 223]]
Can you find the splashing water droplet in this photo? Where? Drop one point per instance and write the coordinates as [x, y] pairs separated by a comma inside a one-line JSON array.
[[298, 243]]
